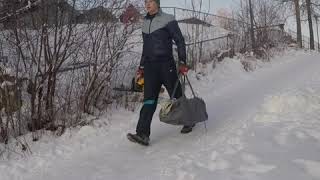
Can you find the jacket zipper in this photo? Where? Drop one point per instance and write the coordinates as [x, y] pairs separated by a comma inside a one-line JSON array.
[[150, 25]]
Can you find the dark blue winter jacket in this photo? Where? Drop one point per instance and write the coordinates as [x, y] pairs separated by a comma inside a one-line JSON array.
[[158, 31]]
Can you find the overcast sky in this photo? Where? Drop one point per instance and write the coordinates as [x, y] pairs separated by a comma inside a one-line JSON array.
[[214, 4]]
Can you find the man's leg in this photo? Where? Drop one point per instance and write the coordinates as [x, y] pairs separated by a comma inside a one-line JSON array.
[[170, 78], [152, 86]]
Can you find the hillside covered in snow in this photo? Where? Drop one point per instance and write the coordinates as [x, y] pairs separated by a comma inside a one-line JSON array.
[[262, 125]]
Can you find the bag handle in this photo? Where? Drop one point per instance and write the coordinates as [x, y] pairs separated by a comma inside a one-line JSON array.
[[185, 77], [194, 94]]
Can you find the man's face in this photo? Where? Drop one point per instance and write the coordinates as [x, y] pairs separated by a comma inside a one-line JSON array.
[[151, 6]]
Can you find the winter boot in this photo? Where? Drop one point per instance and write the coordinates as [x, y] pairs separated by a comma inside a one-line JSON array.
[[138, 138], [187, 129]]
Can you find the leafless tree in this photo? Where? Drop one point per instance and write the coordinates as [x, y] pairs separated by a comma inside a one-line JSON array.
[[106, 44], [267, 15], [66, 58], [297, 12]]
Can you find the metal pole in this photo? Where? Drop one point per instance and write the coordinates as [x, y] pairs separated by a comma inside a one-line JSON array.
[[252, 25], [298, 19], [309, 12], [317, 31]]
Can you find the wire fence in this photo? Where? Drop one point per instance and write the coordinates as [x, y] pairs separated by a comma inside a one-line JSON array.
[[305, 40], [207, 34]]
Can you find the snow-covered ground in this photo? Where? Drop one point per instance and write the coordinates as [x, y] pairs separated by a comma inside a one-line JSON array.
[[262, 125]]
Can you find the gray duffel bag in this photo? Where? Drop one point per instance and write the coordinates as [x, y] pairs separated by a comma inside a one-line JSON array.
[[183, 111]]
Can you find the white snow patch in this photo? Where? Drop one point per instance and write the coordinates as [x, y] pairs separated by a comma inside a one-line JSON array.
[[257, 168], [311, 167], [281, 138], [290, 106], [301, 135], [314, 133], [253, 165], [236, 143], [217, 163], [183, 175]]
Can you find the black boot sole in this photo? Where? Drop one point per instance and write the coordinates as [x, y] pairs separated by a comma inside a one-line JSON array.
[[186, 131], [133, 139]]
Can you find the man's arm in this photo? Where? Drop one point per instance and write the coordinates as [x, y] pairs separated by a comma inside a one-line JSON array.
[[178, 38], [142, 62], [142, 58]]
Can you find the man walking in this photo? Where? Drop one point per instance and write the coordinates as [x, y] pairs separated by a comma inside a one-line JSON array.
[[157, 65]]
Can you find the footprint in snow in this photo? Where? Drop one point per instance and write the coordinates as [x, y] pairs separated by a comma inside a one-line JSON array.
[[253, 165]]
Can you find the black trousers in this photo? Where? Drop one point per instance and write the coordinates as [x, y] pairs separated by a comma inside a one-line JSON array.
[[156, 74]]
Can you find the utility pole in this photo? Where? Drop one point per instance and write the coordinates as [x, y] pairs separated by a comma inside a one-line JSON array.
[[317, 20], [298, 20], [308, 2], [252, 26]]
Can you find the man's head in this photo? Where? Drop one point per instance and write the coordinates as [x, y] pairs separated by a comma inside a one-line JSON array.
[[152, 6]]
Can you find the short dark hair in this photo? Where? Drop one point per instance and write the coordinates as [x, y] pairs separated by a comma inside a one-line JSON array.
[[156, 1]]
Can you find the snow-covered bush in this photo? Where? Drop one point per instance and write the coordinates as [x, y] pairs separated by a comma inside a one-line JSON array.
[[66, 69]]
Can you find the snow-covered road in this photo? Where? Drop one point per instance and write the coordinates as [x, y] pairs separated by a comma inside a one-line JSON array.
[[262, 125]]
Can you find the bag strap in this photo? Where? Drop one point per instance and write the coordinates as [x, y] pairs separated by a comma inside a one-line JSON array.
[[194, 94], [185, 77], [176, 87]]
